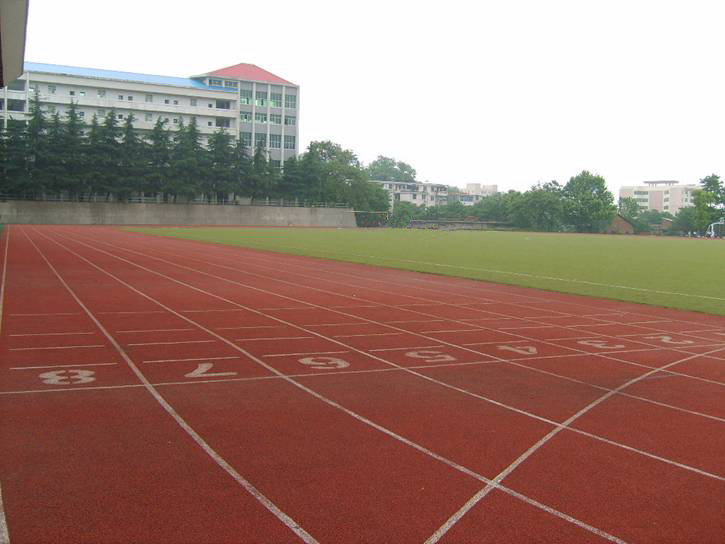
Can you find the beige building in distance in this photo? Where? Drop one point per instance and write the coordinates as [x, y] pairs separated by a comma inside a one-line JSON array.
[[663, 196]]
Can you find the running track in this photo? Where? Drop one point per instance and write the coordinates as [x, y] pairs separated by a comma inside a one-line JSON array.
[[161, 390]]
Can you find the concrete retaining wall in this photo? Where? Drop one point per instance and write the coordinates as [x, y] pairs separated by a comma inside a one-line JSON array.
[[114, 213]]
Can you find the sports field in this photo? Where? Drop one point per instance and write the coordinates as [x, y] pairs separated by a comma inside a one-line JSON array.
[[154, 389], [671, 272]]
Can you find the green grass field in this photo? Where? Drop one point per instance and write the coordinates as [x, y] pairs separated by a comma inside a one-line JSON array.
[[673, 272]]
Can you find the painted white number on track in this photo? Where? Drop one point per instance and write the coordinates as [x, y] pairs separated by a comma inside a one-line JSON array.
[[67, 377], [324, 363], [521, 350], [202, 369], [600, 344], [431, 356], [668, 340]]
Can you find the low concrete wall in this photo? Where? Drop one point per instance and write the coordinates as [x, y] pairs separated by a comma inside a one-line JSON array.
[[114, 213]]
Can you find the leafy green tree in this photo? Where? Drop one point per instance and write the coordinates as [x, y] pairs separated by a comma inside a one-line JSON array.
[[629, 208], [241, 168], [108, 156], [588, 205], [220, 178], [262, 177], [133, 160], [388, 169], [37, 146], [92, 157], [158, 165], [188, 161], [714, 185], [15, 160], [706, 211], [497, 207], [72, 149], [402, 214], [685, 221], [539, 208]]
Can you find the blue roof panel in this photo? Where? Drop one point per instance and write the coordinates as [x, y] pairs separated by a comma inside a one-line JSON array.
[[120, 76]]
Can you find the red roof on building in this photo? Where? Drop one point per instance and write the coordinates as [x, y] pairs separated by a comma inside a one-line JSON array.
[[249, 72]]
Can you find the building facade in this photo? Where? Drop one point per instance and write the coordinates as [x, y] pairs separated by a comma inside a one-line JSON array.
[[245, 100], [415, 192], [474, 193], [663, 196]]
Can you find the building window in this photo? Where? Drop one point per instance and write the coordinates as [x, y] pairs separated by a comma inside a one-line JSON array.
[[275, 141], [130, 98], [51, 89], [192, 102], [17, 85], [81, 93], [101, 113], [149, 98], [119, 116], [222, 122], [211, 105], [276, 163], [148, 117], [260, 138], [247, 138], [223, 105], [81, 114], [276, 100], [176, 120], [245, 97], [101, 93], [260, 117], [209, 124], [176, 102], [216, 83], [261, 98], [275, 119], [290, 101], [289, 142], [290, 120], [120, 97], [245, 116], [231, 84], [72, 93], [167, 101], [16, 105]]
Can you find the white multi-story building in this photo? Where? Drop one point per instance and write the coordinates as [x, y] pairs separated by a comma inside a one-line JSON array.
[[663, 196], [473, 194], [245, 100], [415, 192]]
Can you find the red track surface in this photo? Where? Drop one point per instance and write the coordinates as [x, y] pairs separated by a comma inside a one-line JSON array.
[[160, 390]]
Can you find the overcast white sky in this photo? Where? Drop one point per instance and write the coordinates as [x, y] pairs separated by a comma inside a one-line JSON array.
[[508, 92]]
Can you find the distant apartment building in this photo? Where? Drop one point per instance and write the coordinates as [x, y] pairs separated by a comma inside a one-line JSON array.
[[663, 196], [474, 193], [245, 100], [415, 192]]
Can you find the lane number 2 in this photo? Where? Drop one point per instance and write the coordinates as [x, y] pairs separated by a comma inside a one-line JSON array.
[[431, 356], [202, 371], [668, 340]]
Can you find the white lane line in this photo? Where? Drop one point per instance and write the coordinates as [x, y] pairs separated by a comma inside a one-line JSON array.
[[319, 396], [306, 353], [208, 311], [190, 359], [153, 330], [247, 327], [335, 324], [475, 499], [59, 366], [57, 347], [132, 313], [171, 343], [451, 330], [271, 338], [52, 334], [45, 314], [219, 460], [2, 301], [367, 335], [284, 308], [502, 342], [405, 321], [4, 534], [407, 348]]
